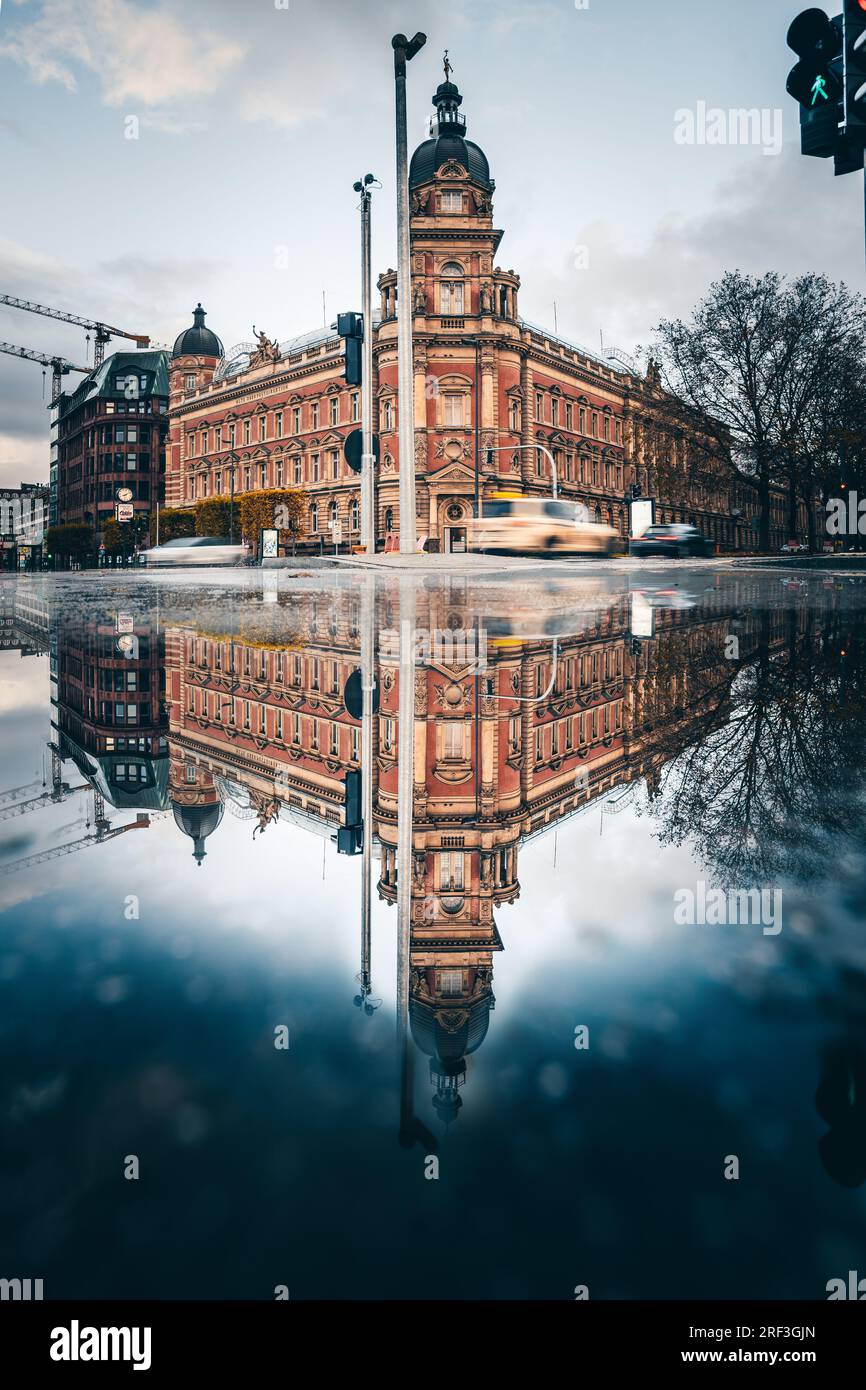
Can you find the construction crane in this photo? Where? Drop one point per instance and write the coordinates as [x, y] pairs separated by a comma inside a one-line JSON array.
[[102, 332], [33, 803], [59, 365], [101, 832]]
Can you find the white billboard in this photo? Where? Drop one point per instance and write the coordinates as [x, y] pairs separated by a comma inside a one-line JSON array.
[[641, 515]]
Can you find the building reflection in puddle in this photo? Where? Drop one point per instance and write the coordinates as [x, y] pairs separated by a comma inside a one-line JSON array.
[[515, 721]]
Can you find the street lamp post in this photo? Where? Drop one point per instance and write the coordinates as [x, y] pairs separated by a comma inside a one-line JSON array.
[[405, 794], [404, 50], [513, 448], [368, 502]]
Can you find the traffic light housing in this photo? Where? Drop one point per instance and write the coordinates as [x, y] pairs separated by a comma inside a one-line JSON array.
[[350, 328], [854, 69], [350, 835], [816, 80]]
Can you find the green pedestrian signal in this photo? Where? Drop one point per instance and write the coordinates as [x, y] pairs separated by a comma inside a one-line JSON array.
[[819, 89]]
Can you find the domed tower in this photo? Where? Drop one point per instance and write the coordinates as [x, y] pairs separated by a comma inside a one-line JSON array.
[[195, 800], [194, 358], [449, 1018], [464, 312], [453, 237], [198, 822]]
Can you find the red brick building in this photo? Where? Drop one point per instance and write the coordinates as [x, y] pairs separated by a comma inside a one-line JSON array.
[[484, 379]]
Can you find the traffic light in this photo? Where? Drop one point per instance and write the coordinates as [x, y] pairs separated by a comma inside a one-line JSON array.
[[349, 836], [350, 327], [816, 80], [634, 491], [854, 69]]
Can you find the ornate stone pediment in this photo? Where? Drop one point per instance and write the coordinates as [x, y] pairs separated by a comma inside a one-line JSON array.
[[454, 473]]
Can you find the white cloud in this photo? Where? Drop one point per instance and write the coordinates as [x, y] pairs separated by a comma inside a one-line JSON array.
[[139, 56], [786, 214]]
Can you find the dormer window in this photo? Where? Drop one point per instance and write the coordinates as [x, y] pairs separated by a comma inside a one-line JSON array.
[[451, 201]]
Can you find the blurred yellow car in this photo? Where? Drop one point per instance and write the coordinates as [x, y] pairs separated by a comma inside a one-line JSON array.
[[540, 525]]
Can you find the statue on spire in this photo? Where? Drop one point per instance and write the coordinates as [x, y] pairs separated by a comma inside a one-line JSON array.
[[448, 68]]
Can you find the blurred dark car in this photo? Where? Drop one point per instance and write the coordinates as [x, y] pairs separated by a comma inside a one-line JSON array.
[[673, 540]]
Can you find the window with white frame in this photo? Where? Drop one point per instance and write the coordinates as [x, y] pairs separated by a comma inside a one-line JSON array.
[[453, 740], [451, 298], [451, 871]]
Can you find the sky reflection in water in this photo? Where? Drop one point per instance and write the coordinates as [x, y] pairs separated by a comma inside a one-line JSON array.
[[550, 839]]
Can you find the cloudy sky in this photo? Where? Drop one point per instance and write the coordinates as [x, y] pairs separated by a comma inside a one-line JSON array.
[[253, 120]]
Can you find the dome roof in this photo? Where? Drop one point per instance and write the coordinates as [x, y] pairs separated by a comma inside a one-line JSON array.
[[197, 341], [451, 1033], [198, 822], [449, 142]]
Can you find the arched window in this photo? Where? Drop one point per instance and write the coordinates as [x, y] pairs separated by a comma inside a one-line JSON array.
[[354, 515], [451, 289], [314, 518], [332, 511], [389, 519]]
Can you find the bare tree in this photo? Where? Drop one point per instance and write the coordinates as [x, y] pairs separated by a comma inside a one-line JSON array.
[[750, 365]]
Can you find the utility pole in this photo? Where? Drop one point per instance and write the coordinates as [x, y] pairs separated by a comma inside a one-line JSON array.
[[365, 187], [404, 50]]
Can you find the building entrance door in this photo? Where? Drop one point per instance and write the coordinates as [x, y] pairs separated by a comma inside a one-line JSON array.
[[456, 538]]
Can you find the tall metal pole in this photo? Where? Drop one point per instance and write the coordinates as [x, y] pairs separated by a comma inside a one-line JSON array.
[[404, 50], [368, 495], [477, 505], [368, 679], [405, 791]]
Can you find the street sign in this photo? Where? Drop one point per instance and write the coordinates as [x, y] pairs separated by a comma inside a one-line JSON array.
[[353, 447], [125, 511], [124, 622], [270, 543]]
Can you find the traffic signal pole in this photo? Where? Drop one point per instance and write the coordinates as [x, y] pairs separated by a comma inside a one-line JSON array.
[[368, 678], [368, 494]]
